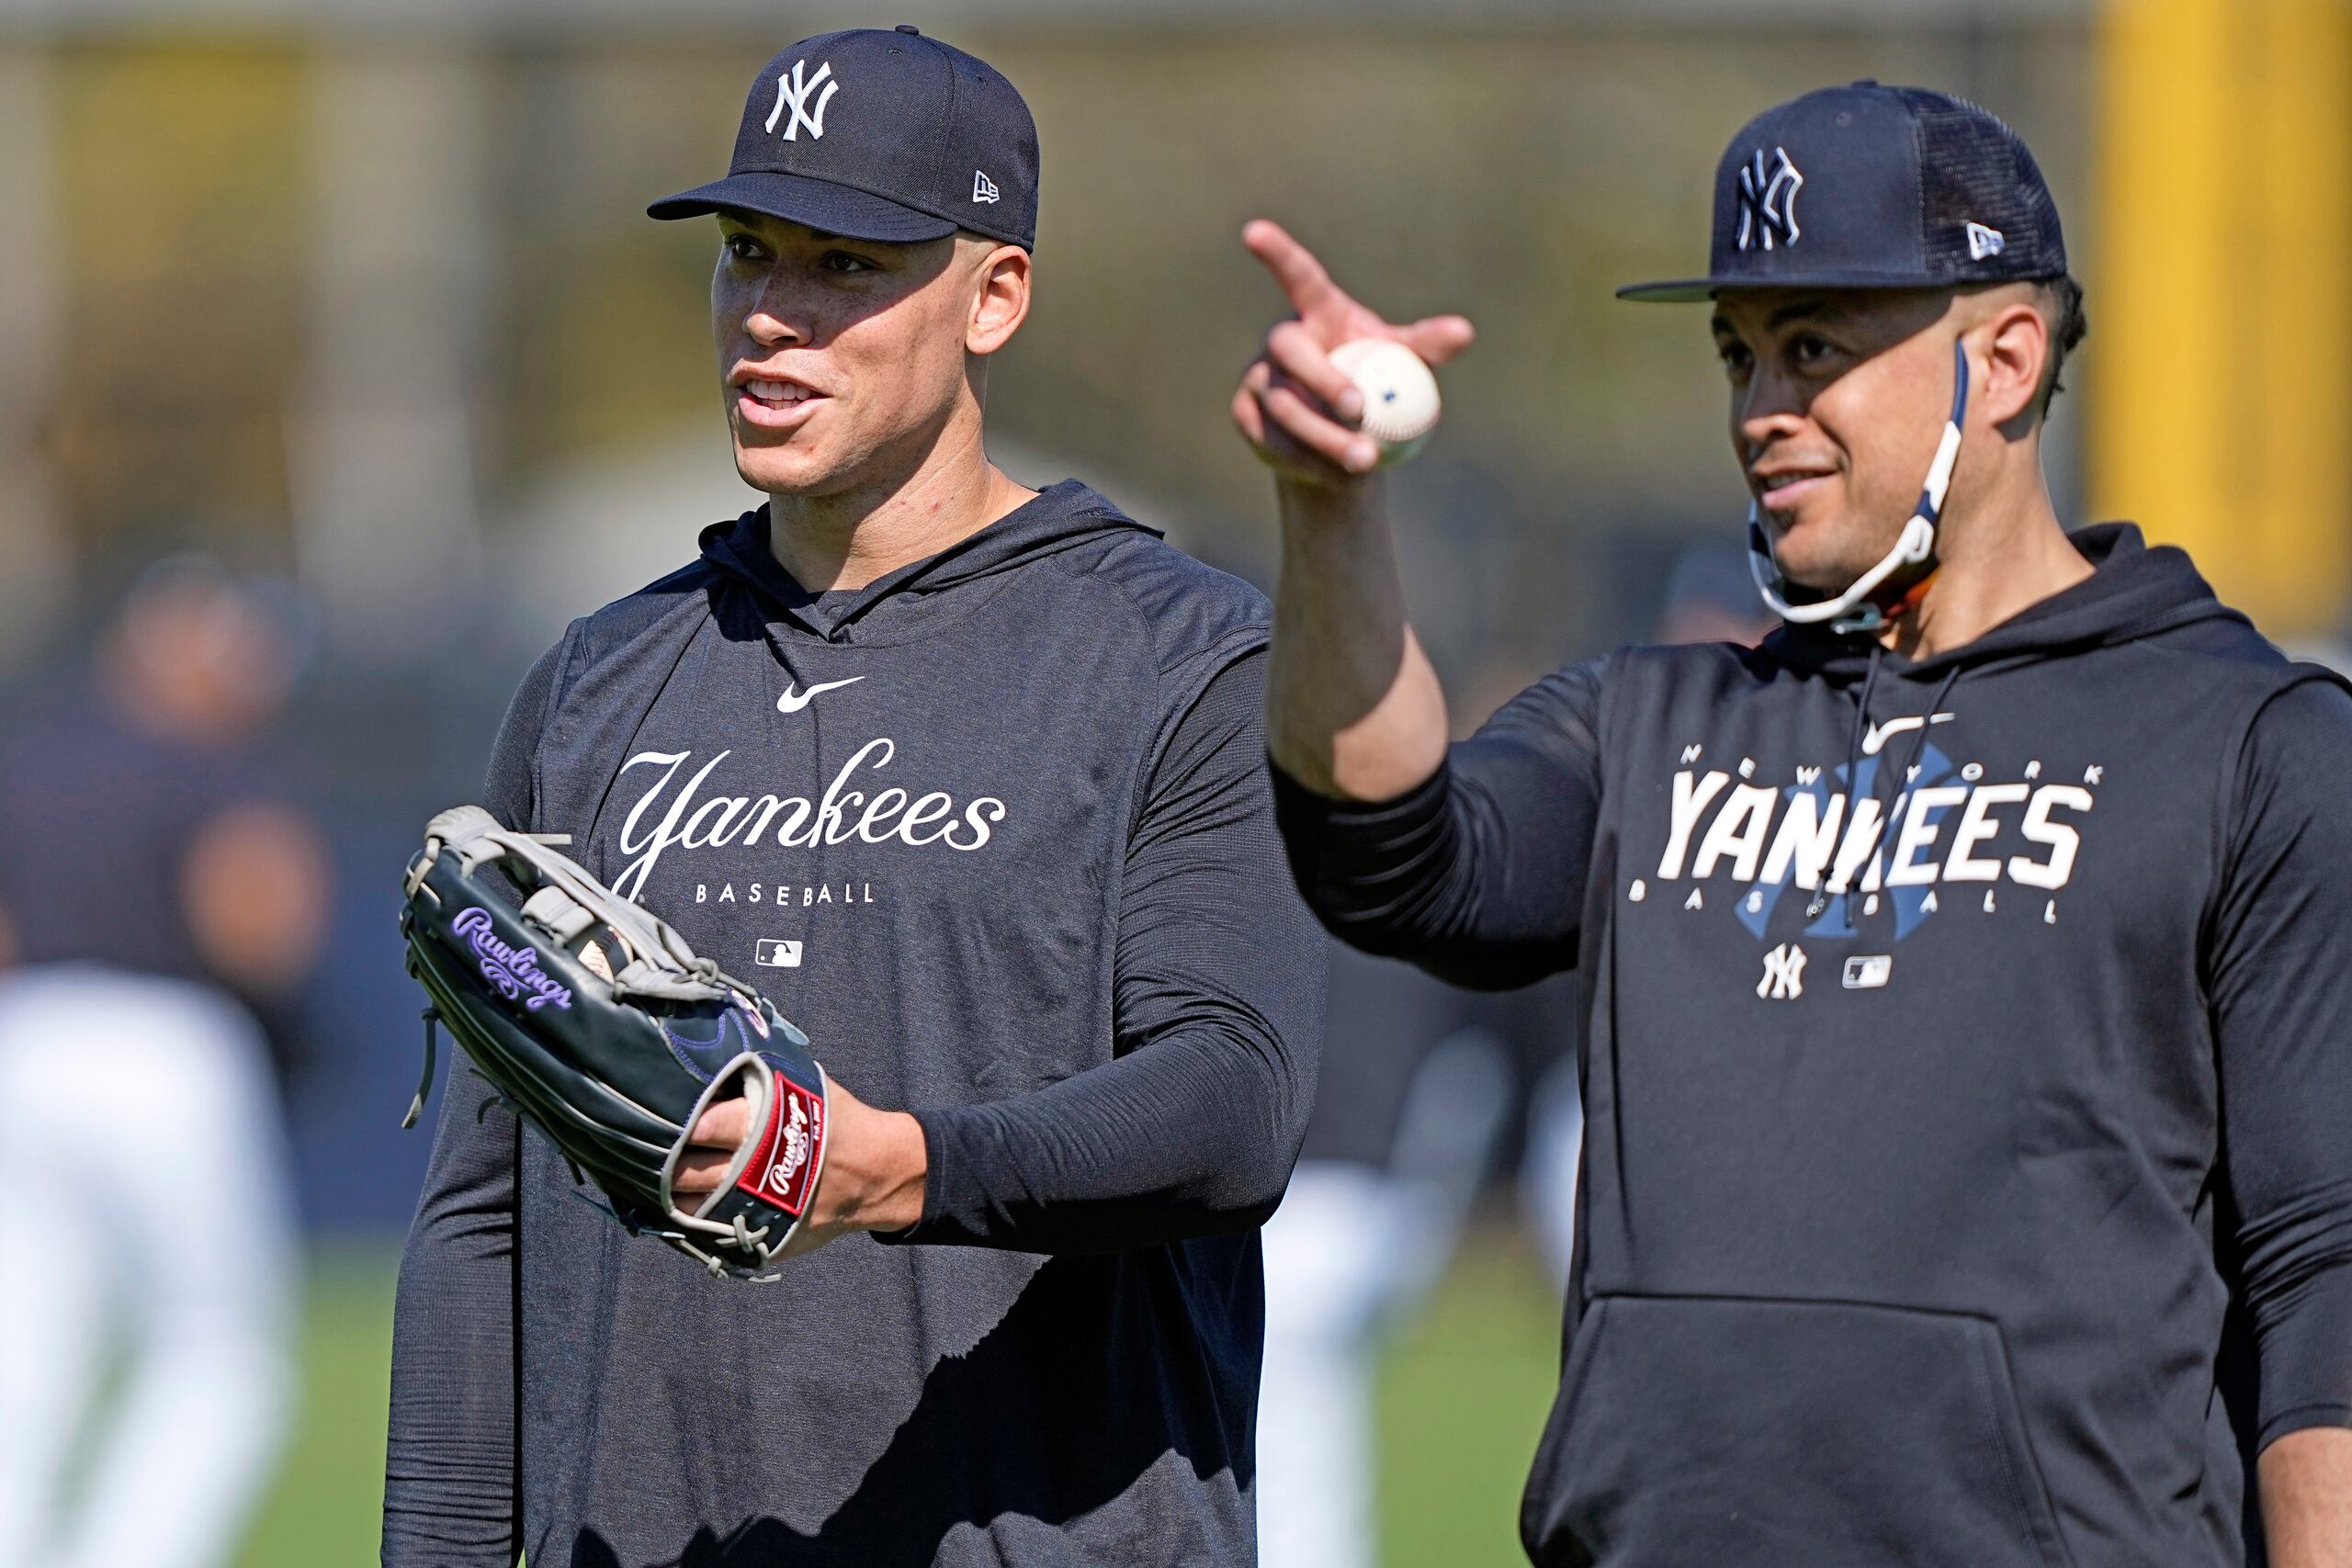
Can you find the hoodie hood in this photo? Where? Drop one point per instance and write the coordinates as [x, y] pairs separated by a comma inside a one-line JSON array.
[[903, 604], [2134, 590]]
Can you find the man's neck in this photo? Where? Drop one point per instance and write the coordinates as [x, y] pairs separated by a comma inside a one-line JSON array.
[[849, 539], [2008, 554]]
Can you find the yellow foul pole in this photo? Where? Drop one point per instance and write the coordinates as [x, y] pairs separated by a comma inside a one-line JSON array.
[[2220, 303]]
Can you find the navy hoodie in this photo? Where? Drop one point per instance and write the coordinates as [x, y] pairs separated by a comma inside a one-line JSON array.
[[1968, 1089], [994, 829]]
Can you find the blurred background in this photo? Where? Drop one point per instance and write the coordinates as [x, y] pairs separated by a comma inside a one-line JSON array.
[[341, 317]]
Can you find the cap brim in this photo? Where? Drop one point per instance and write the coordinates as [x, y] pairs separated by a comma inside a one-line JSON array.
[[821, 205], [1681, 291], [1687, 290]]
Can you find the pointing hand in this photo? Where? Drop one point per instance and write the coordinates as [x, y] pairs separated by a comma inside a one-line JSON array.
[[1297, 410]]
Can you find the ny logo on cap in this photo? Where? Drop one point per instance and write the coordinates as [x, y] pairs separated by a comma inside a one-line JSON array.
[[1768, 202], [792, 93]]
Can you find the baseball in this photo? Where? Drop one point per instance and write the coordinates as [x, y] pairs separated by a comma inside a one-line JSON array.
[[1400, 402]]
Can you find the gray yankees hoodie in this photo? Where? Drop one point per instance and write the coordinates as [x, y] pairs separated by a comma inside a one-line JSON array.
[[994, 829]]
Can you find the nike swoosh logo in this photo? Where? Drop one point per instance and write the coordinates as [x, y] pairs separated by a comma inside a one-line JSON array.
[[795, 699], [1878, 735]]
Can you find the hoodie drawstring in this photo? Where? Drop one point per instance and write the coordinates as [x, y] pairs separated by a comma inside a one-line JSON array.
[[1902, 775], [1820, 900], [1918, 745]]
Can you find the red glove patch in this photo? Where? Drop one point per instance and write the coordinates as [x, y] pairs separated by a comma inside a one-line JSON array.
[[783, 1170]]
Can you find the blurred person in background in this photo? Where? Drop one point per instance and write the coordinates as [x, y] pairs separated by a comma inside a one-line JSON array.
[[1395, 1154], [154, 878], [1710, 597], [1963, 969]]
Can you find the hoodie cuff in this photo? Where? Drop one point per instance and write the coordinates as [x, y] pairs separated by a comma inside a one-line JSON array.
[[1355, 859], [935, 1183]]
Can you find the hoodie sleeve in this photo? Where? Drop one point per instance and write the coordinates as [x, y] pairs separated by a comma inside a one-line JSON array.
[[450, 1480], [2281, 998], [1478, 875], [1192, 1128]]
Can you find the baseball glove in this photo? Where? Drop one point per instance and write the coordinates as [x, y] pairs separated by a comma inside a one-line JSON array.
[[596, 1024]]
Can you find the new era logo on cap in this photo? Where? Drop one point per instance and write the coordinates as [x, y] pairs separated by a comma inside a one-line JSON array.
[[877, 134], [1984, 241]]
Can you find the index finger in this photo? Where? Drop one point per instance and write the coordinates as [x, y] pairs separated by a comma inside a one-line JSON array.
[[1311, 290]]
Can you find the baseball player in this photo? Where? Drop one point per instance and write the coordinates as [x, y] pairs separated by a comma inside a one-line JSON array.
[[1968, 1002], [970, 777], [162, 897]]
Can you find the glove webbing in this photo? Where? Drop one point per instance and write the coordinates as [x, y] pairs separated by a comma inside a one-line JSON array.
[[661, 963]]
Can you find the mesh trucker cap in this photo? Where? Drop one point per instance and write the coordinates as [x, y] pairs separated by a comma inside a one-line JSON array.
[[880, 135], [1868, 187]]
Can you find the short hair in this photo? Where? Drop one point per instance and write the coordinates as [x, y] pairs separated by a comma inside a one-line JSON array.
[[2063, 297]]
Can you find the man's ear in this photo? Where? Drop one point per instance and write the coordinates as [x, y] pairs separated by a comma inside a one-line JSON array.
[[2017, 365], [1000, 300]]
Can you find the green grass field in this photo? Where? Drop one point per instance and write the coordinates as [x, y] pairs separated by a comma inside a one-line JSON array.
[[1463, 1396]]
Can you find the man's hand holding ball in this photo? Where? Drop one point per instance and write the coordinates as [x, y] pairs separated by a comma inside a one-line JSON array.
[[1337, 392]]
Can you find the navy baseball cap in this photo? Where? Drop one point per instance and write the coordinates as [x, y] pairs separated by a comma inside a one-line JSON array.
[[880, 135], [1874, 187]]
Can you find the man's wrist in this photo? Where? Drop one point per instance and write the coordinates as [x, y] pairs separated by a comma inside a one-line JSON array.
[[2306, 1481], [1340, 501], [880, 1163]]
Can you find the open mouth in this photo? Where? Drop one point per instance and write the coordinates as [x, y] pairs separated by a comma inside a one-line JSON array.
[[774, 402], [777, 394]]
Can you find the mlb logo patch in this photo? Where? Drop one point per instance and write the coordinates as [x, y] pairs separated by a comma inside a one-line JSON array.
[[1869, 972]]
